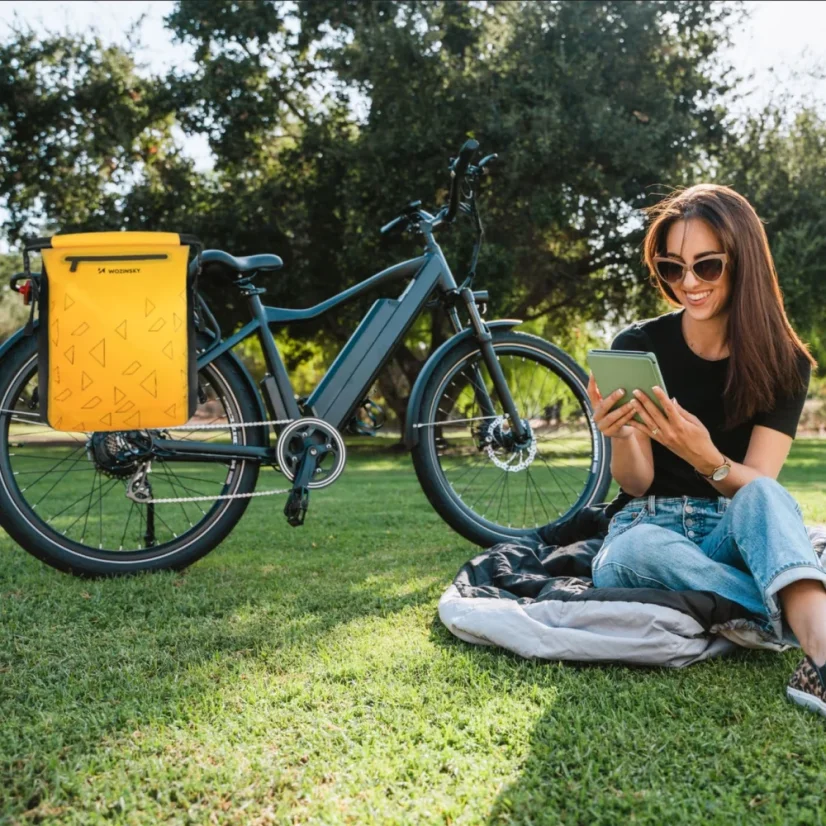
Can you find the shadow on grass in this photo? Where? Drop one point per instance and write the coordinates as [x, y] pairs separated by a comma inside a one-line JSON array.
[[85, 663]]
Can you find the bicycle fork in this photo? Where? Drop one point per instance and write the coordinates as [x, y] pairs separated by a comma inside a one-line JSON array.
[[500, 384]]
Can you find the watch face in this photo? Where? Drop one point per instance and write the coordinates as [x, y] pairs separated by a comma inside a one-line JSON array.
[[720, 473]]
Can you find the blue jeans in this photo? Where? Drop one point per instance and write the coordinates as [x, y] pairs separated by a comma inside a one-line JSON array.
[[745, 548]]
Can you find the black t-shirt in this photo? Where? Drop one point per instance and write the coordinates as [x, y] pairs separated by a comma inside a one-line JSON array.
[[697, 384]]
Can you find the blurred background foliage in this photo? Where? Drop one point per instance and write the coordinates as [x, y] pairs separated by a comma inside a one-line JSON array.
[[325, 117]]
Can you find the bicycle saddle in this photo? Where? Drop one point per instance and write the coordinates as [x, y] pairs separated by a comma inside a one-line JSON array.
[[247, 263]]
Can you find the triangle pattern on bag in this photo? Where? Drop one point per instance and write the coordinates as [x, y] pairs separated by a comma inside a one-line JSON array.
[[98, 352], [150, 384]]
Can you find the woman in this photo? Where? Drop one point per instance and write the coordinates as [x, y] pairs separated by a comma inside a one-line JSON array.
[[708, 513]]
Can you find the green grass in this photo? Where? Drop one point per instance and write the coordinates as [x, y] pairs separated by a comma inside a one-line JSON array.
[[303, 676]]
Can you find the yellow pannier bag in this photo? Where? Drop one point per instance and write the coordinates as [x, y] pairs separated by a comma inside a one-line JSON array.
[[117, 333]]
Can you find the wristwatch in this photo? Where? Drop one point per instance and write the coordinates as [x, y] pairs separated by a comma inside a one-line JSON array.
[[719, 473]]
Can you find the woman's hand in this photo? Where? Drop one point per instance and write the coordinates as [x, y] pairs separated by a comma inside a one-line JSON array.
[[678, 430], [613, 423]]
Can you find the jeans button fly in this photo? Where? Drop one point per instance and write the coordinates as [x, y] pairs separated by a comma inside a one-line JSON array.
[[689, 522], [691, 534], [689, 509]]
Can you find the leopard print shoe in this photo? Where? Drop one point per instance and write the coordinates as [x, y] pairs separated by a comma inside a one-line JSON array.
[[807, 688]]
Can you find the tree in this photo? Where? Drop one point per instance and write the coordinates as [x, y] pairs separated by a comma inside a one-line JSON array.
[[589, 104], [80, 129], [326, 117], [779, 165]]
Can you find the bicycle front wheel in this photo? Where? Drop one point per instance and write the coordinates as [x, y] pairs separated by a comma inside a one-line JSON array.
[[482, 482]]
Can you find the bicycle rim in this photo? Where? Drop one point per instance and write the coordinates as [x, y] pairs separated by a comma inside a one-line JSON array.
[[74, 496], [499, 486]]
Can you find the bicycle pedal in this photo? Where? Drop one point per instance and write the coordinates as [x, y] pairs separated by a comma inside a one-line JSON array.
[[296, 508]]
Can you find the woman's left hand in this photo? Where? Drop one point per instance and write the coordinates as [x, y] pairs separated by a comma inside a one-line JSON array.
[[677, 429]]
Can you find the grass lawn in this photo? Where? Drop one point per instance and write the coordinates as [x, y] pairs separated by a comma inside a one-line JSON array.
[[302, 676]]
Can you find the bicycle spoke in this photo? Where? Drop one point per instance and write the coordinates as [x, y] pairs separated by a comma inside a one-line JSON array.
[[186, 490], [132, 507], [100, 516], [51, 470], [562, 442], [46, 467], [539, 494], [80, 459]]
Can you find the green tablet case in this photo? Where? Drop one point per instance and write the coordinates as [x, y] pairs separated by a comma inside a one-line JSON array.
[[629, 369]]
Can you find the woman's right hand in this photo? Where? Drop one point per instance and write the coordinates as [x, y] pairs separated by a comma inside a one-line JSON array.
[[613, 423]]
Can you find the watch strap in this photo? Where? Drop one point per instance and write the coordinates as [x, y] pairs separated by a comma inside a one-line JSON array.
[[710, 478]]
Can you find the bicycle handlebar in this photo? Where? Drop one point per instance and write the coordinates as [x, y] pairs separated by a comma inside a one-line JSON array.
[[394, 224], [457, 172], [459, 167]]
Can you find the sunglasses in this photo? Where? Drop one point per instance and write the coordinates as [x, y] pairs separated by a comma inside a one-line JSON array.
[[708, 268]]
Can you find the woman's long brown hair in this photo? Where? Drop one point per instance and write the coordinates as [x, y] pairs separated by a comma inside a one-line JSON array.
[[764, 349]]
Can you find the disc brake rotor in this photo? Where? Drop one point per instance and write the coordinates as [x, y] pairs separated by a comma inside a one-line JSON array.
[[502, 450]]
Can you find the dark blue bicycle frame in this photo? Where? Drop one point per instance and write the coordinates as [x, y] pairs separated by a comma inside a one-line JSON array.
[[354, 370]]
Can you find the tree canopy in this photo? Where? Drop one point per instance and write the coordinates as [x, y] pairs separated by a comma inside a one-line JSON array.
[[325, 117]]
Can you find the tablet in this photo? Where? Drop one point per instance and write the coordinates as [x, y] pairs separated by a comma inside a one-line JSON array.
[[630, 369]]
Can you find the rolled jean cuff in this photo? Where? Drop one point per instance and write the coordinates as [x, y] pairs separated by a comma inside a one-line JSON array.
[[786, 577]]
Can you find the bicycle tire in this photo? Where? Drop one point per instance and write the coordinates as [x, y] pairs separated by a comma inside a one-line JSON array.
[[448, 501], [26, 526]]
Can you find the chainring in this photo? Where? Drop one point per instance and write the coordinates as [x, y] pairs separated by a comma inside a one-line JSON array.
[[297, 435]]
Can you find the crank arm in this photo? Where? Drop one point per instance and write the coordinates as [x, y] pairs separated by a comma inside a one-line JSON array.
[[299, 499]]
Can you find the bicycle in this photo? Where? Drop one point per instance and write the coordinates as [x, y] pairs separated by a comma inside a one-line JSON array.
[[498, 423]]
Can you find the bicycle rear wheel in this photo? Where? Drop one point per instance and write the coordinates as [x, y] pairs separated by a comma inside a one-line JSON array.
[[62, 495], [480, 481]]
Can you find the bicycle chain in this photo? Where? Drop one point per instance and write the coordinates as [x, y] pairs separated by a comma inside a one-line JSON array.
[[174, 499], [222, 426]]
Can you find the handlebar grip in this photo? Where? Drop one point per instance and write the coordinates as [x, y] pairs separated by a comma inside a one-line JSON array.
[[457, 170], [394, 224]]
